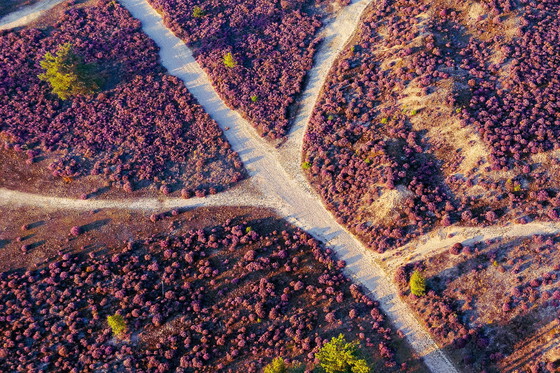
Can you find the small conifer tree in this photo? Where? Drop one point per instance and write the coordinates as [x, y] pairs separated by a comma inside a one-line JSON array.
[[198, 12], [340, 356], [67, 73], [229, 60], [417, 284], [278, 365], [117, 324]]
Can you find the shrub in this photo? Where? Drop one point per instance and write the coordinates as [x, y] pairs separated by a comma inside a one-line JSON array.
[[340, 356], [417, 284], [117, 324], [278, 365], [229, 60], [67, 73], [198, 12]]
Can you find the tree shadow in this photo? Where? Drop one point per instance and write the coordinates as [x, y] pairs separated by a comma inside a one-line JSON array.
[[95, 225]]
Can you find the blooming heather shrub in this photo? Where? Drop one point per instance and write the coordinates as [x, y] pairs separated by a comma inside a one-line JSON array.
[[274, 44], [194, 298], [497, 77], [76, 230], [145, 127], [469, 308], [340, 356]]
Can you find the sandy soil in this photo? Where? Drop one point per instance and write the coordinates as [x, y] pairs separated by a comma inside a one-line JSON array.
[[28, 14]]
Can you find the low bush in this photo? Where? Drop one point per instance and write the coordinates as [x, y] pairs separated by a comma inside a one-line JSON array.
[[278, 365]]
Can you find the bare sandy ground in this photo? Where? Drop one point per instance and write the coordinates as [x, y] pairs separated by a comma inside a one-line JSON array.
[[275, 173], [27, 14]]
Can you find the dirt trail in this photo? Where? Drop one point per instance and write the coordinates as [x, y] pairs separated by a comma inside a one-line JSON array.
[[27, 14], [436, 242], [232, 197], [299, 204], [276, 174], [335, 36]]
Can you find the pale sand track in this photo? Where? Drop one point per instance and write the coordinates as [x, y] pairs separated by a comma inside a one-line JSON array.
[[299, 205], [27, 14], [273, 172]]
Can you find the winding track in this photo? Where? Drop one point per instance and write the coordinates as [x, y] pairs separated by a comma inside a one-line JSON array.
[[275, 173]]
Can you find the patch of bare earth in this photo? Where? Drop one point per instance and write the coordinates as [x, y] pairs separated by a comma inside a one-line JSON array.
[[505, 294]]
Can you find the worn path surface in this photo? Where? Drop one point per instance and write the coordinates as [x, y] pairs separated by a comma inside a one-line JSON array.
[[266, 166], [27, 14], [275, 173]]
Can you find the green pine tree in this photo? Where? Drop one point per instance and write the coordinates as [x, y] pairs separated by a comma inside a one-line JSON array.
[[229, 60], [417, 284], [117, 324], [198, 12], [67, 73], [340, 356]]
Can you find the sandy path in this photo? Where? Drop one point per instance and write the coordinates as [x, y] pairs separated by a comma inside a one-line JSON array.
[[233, 197], [335, 36], [280, 189], [26, 14], [298, 204], [436, 242], [285, 190], [278, 176]]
